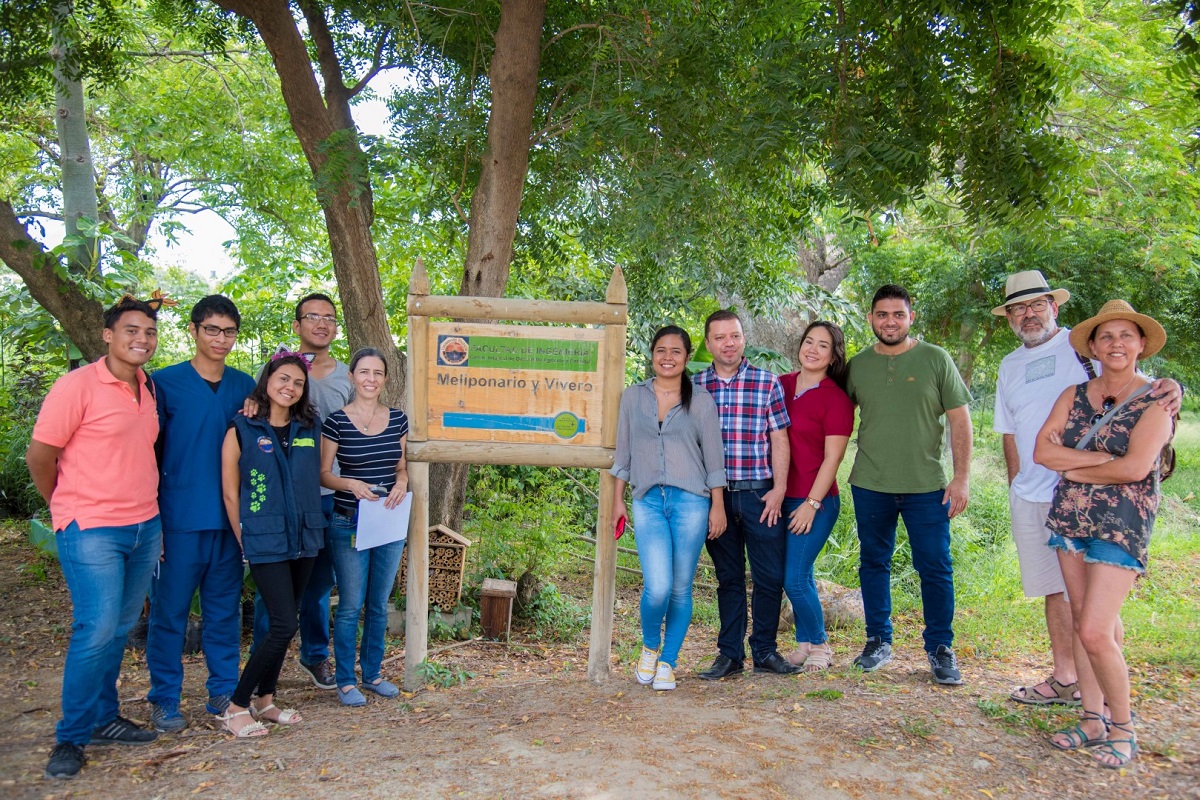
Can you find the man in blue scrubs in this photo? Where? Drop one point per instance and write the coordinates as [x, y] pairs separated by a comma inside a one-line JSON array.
[[197, 399]]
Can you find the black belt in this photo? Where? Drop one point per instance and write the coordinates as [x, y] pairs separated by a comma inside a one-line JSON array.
[[747, 486]]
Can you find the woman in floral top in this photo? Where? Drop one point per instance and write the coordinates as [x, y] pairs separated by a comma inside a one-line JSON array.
[[1103, 512]]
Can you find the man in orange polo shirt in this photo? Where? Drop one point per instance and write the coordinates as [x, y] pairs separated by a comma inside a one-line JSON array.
[[92, 459]]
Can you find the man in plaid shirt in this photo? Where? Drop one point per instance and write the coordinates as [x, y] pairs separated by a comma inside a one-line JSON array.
[[754, 425]]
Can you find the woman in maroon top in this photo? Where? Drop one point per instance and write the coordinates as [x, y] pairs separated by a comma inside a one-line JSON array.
[[822, 418]]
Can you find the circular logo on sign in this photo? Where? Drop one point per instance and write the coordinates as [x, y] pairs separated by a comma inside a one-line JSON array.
[[566, 425], [265, 444], [453, 350]]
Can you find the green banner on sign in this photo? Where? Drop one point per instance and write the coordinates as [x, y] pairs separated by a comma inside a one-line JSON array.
[[505, 353]]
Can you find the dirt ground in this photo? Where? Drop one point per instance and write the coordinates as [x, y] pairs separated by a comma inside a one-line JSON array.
[[530, 724]]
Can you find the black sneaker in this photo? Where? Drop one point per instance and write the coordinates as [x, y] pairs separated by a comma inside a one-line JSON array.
[[66, 760], [122, 731], [945, 666], [321, 673], [875, 654]]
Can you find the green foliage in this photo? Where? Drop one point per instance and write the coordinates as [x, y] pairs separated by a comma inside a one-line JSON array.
[[25, 382], [524, 518], [435, 674], [89, 38], [555, 617]]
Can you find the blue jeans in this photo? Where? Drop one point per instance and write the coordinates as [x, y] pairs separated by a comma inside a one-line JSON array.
[[314, 605], [670, 526], [365, 580], [927, 520], [802, 552], [108, 572], [765, 546], [212, 562]]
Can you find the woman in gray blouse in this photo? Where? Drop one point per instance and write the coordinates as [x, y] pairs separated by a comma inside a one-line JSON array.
[[669, 450]]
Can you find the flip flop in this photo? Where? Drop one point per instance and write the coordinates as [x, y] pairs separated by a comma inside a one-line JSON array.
[[1064, 694]]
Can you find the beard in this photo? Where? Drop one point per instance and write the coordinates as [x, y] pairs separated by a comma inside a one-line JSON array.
[[890, 339], [1032, 337]]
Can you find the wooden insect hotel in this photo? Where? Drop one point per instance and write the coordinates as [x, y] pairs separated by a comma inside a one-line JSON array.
[[447, 559]]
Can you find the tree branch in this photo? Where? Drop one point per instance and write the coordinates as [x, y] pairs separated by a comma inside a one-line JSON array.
[[376, 65]]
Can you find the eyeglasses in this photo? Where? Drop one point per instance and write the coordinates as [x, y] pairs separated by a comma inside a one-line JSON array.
[[315, 318], [1105, 407], [1020, 309], [214, 331]]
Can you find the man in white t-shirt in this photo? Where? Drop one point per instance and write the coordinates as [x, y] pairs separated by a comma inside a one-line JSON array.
[[1031, 379]]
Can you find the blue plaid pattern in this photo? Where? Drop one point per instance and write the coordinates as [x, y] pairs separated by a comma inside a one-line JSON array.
[[751, 406]]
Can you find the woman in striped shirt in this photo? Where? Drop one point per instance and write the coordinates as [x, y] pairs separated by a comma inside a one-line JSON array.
[[369, 440]]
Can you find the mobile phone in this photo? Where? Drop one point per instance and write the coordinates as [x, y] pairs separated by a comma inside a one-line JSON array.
[[379, 491], [620, 529]]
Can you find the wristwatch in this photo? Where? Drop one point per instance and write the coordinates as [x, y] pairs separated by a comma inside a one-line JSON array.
[[816, 504]]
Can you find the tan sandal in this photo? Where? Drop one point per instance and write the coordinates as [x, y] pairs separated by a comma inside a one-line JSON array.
[[819, 658], [250, 731], [797, 656], [1064, 694], [283, 716]]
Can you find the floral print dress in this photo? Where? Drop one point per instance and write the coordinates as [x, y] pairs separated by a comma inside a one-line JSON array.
[[1121, 513]]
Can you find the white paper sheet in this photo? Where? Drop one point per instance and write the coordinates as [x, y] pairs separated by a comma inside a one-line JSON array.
[[378, 524]]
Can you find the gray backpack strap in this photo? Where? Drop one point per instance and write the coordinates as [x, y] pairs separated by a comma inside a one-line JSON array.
[[1112, 412]]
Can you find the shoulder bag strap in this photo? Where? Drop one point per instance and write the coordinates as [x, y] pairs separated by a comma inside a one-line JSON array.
[[1087, 437], [1086, 363]]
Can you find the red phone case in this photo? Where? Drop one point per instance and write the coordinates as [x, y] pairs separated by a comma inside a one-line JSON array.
[[620, 530]]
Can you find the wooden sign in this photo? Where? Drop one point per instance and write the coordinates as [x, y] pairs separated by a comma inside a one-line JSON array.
[[515, 383], [482, 392]]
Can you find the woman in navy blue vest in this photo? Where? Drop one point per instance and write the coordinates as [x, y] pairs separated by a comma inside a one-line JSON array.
[[270, 469]]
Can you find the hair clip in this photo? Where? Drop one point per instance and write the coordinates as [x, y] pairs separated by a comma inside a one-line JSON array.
[[157, 300], [305, 358]]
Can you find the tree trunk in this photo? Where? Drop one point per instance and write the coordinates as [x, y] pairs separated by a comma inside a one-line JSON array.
[[496, 203], [81, 317], [75, 150], [497, 200], [329, 139]]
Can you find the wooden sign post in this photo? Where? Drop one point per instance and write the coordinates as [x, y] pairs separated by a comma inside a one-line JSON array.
[[483, 392]]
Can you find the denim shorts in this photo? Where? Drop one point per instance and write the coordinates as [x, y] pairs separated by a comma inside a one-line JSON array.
[[1097, 551]]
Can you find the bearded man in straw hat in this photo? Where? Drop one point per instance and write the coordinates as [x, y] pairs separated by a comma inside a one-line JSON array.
[[1031, 378]]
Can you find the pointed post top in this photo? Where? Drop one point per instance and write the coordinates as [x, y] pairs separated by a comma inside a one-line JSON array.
[[617, 292], [418, 283]]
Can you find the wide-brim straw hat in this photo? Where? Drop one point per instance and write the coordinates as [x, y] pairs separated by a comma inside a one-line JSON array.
[[1156, 337], [1021, 287]]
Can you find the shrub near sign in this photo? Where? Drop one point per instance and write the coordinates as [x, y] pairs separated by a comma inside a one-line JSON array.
[[515, 383]]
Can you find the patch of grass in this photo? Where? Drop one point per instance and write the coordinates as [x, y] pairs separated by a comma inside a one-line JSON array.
[[434, 674], [780, 692], [824, 694], [1018, 719], [39, 567], [916, 727]]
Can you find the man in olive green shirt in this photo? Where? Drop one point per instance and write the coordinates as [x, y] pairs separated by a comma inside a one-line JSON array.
[[903, 387]]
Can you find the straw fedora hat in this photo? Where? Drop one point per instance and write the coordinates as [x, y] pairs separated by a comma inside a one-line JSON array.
[[1156, 337], [1026, 286]]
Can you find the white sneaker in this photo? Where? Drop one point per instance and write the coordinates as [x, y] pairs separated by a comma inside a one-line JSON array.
[[664, 677], [646, 665]]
